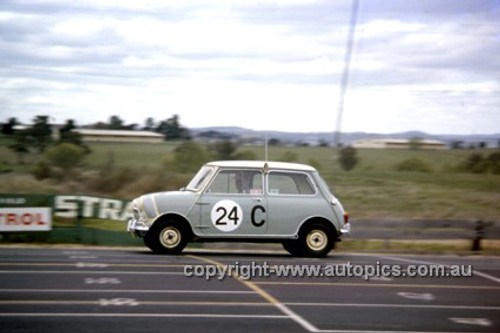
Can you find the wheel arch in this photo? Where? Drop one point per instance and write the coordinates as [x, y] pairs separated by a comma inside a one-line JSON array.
[[168, 234], [319, 220], [171, 216]]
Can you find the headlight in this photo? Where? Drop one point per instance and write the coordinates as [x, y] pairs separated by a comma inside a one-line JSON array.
[[138, 211], [142, 216]]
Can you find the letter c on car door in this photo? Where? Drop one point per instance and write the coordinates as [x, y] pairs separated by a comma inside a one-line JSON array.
[[254, 210]]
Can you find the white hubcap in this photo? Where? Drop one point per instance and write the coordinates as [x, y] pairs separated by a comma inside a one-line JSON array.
[[317, 240], [170, 237]]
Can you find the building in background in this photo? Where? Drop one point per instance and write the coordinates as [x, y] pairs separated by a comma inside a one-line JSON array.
[[100, 135], [400, 144]]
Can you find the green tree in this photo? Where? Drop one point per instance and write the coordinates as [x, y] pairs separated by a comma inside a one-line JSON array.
[[100, 125], [494, 160], [274, 142], [323, 143], [21, 145], [348, 158], [224, 150], [8, 127], [246, 155], [189, 156], [42, 170], [38, 136], [457, 144], [65, 155], [149, 124], [476, 163], [415, 143], [172, 129], [69, 136], [41, 133], [116, 123], [414, 165], [288, 156], [314, 163]]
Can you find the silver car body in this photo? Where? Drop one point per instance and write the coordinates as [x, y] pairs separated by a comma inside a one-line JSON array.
[[245, 200]]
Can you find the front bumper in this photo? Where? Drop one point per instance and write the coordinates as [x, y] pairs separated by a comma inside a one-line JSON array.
[[137, 228]]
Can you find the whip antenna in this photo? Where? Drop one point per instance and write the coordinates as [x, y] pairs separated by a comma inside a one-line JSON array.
[[266, 152]]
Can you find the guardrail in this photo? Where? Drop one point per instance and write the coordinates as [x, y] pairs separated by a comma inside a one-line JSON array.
[[428, 229], [56, 219], [29, 218]]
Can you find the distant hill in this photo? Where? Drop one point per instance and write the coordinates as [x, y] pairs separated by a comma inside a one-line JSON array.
[[314, 138]]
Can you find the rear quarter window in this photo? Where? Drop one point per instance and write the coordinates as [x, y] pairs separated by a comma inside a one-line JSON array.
[[290, 183]]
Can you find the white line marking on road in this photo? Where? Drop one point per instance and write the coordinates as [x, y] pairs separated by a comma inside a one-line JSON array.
[[232, 303], [91, 272], [140, 315], [472, 321], [375, 285], [131, 291], [268, 297], [381, 278], [295, 317], [420, 296], [486, 276], [90, 264], [187, 315], [409, 306], [103, 280], [87, 264], [118, 302], [475, 272]]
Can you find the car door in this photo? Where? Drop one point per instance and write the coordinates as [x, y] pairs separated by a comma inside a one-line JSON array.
[[234, 204], [292, 198]]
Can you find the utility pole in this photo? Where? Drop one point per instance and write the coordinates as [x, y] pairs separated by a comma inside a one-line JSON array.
[[344, 81]]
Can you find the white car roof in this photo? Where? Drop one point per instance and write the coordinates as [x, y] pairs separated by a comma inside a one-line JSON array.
[[260, 165]]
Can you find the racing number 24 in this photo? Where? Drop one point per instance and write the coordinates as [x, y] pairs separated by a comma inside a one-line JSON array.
[[231, 216]]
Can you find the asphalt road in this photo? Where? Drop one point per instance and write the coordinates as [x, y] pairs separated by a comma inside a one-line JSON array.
[[131, 290]]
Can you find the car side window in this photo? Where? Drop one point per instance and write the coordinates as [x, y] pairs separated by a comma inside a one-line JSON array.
[[237, 182], [290, 183]]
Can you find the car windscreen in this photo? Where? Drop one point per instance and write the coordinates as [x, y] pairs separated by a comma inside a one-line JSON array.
[[199, 179]]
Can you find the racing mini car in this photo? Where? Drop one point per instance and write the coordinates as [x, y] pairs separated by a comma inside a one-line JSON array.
[[244, 201]]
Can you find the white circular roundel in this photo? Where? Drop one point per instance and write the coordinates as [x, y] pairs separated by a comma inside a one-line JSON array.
[[226, 215]]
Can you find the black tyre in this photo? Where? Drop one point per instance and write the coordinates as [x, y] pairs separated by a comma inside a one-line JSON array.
[[293, 247], [315, 240], [167, 237]]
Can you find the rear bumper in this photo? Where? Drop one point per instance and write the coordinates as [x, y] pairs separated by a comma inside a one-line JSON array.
[[346, 229]]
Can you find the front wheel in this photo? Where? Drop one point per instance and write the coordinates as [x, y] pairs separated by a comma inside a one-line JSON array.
[[315, 240], [293, 247], [168, 237]]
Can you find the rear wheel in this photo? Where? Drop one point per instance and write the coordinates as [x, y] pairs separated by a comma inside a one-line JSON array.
[[315, 240], [168, 237]]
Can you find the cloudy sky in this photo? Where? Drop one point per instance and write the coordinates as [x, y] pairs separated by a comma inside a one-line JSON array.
[[428, 65]]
